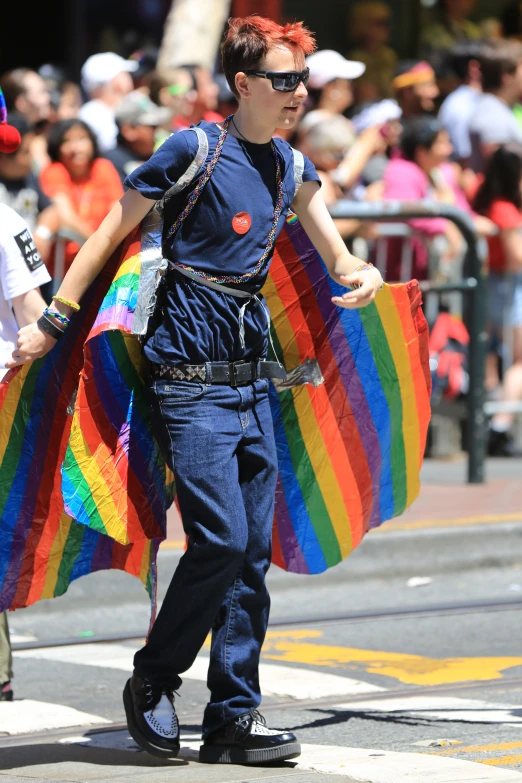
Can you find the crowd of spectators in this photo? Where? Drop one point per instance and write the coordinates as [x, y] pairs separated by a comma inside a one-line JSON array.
[[446, 127]]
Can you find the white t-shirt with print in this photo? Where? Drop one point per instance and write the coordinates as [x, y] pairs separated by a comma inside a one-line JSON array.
[[21, 270]]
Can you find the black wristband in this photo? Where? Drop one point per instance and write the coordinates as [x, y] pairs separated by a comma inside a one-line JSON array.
[[46, 325]]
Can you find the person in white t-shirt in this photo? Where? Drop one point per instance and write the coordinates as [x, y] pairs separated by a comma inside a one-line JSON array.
[[22, 271], [106, 78]]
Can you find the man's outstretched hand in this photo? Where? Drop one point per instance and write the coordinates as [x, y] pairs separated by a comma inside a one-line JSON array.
[[363, 286]]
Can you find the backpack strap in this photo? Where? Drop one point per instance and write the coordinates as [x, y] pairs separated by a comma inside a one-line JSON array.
[[189, 175], [298, 169]]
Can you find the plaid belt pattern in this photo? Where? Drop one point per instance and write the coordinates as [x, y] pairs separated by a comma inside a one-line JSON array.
[[233, 373]]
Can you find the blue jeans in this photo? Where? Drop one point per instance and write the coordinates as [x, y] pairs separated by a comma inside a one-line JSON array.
[[219, 442]]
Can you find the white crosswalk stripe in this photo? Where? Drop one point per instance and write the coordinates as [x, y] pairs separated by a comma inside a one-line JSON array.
[[293, 682], [26, 715]]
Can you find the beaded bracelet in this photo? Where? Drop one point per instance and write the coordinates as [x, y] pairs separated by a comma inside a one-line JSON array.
[[57, 316], [67, 302], [46, 325]]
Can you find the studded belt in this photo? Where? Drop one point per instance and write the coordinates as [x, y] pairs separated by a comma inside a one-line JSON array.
[[230, 373]]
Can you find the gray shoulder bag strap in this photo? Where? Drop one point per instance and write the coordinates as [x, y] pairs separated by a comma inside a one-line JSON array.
[[153, 265]]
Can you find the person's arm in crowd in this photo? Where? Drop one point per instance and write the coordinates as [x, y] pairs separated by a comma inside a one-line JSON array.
[[346, 227], [511, 239], [47, 225], [28, 307], [310, 207], [368, 143], [89, 261], [69, 218]]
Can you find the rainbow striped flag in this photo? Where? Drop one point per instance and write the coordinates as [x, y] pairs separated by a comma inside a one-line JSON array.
[[83, 484], [350, 449]]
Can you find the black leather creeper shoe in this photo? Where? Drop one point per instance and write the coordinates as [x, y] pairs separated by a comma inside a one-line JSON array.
[[248, 740], [151, 717]]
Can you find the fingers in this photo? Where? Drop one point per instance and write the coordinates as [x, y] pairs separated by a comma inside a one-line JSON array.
[[362, 294], [17, 361], [354, 303]]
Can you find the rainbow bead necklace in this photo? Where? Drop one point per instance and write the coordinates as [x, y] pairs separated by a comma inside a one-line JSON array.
[[189, 206]]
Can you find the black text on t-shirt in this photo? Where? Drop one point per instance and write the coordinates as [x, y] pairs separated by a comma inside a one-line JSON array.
[[31, 256]]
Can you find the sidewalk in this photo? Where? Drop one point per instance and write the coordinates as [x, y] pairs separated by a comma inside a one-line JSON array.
[[110, 755], [445, 498]]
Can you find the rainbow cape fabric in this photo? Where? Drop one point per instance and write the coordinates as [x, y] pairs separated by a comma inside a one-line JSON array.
[[84, 487]]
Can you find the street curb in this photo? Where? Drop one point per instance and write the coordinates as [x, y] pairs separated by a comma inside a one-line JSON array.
[[380, 766], [396, 554], [430, 550]]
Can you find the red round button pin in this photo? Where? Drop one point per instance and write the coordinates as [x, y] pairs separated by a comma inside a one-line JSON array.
[[241, 222]]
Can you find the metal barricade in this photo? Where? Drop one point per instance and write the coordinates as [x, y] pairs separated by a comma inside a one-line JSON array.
[[472, 285]]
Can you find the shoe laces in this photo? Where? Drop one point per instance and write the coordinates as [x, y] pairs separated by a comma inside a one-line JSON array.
[[154, 692], [244, 722], [257, 717]]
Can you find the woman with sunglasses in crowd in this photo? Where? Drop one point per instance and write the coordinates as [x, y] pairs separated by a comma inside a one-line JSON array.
[[209, 383]]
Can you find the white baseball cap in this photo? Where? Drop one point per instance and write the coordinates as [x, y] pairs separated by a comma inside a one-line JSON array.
[[377, 114], [327, 65], [100, 68]]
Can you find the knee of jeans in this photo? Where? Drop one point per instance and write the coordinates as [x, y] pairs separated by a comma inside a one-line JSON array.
[[229, 551], [233, 550]]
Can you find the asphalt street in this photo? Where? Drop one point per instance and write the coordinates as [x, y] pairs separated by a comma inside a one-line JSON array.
[[412, 645]]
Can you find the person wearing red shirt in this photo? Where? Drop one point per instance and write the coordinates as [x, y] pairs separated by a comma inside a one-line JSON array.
[[500, 199], [83, 186]]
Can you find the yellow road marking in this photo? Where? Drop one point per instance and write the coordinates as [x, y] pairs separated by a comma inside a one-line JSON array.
[[481, 748], [502, 761], [408, 669], [421, 524], [173, 544]]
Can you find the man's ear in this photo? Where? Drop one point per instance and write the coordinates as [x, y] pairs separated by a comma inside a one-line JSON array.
[[242, 84]]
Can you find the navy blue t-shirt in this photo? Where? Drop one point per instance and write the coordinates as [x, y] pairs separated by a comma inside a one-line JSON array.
[[199, 324]]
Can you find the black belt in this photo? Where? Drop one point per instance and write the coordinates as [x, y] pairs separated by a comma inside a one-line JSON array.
[[232, 373]]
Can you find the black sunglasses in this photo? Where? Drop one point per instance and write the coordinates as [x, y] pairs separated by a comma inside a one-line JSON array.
[[283, 81]]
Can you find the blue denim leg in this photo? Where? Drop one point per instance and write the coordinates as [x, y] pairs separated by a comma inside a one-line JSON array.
[[221, 447], [240, 626]]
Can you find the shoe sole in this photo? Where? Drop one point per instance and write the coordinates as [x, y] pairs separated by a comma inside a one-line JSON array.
[[232, 754], [137, 734]]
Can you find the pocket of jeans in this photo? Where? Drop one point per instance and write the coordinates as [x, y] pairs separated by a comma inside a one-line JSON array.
[[171, 392]]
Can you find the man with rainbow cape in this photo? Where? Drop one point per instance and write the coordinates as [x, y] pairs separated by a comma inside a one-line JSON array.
[[166, 362]]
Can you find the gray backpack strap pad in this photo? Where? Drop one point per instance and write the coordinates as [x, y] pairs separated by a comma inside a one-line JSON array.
[[298, 169], [199, 159]]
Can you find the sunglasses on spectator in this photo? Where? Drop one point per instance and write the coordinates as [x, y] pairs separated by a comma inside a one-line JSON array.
[[178, 89], [283, 81]]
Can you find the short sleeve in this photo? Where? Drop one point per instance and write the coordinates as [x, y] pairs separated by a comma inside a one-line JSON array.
[[170, 161], [22, 269], [309, 173], [505, 215]]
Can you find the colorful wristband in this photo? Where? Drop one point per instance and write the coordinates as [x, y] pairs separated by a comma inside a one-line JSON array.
[[57, 316]]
